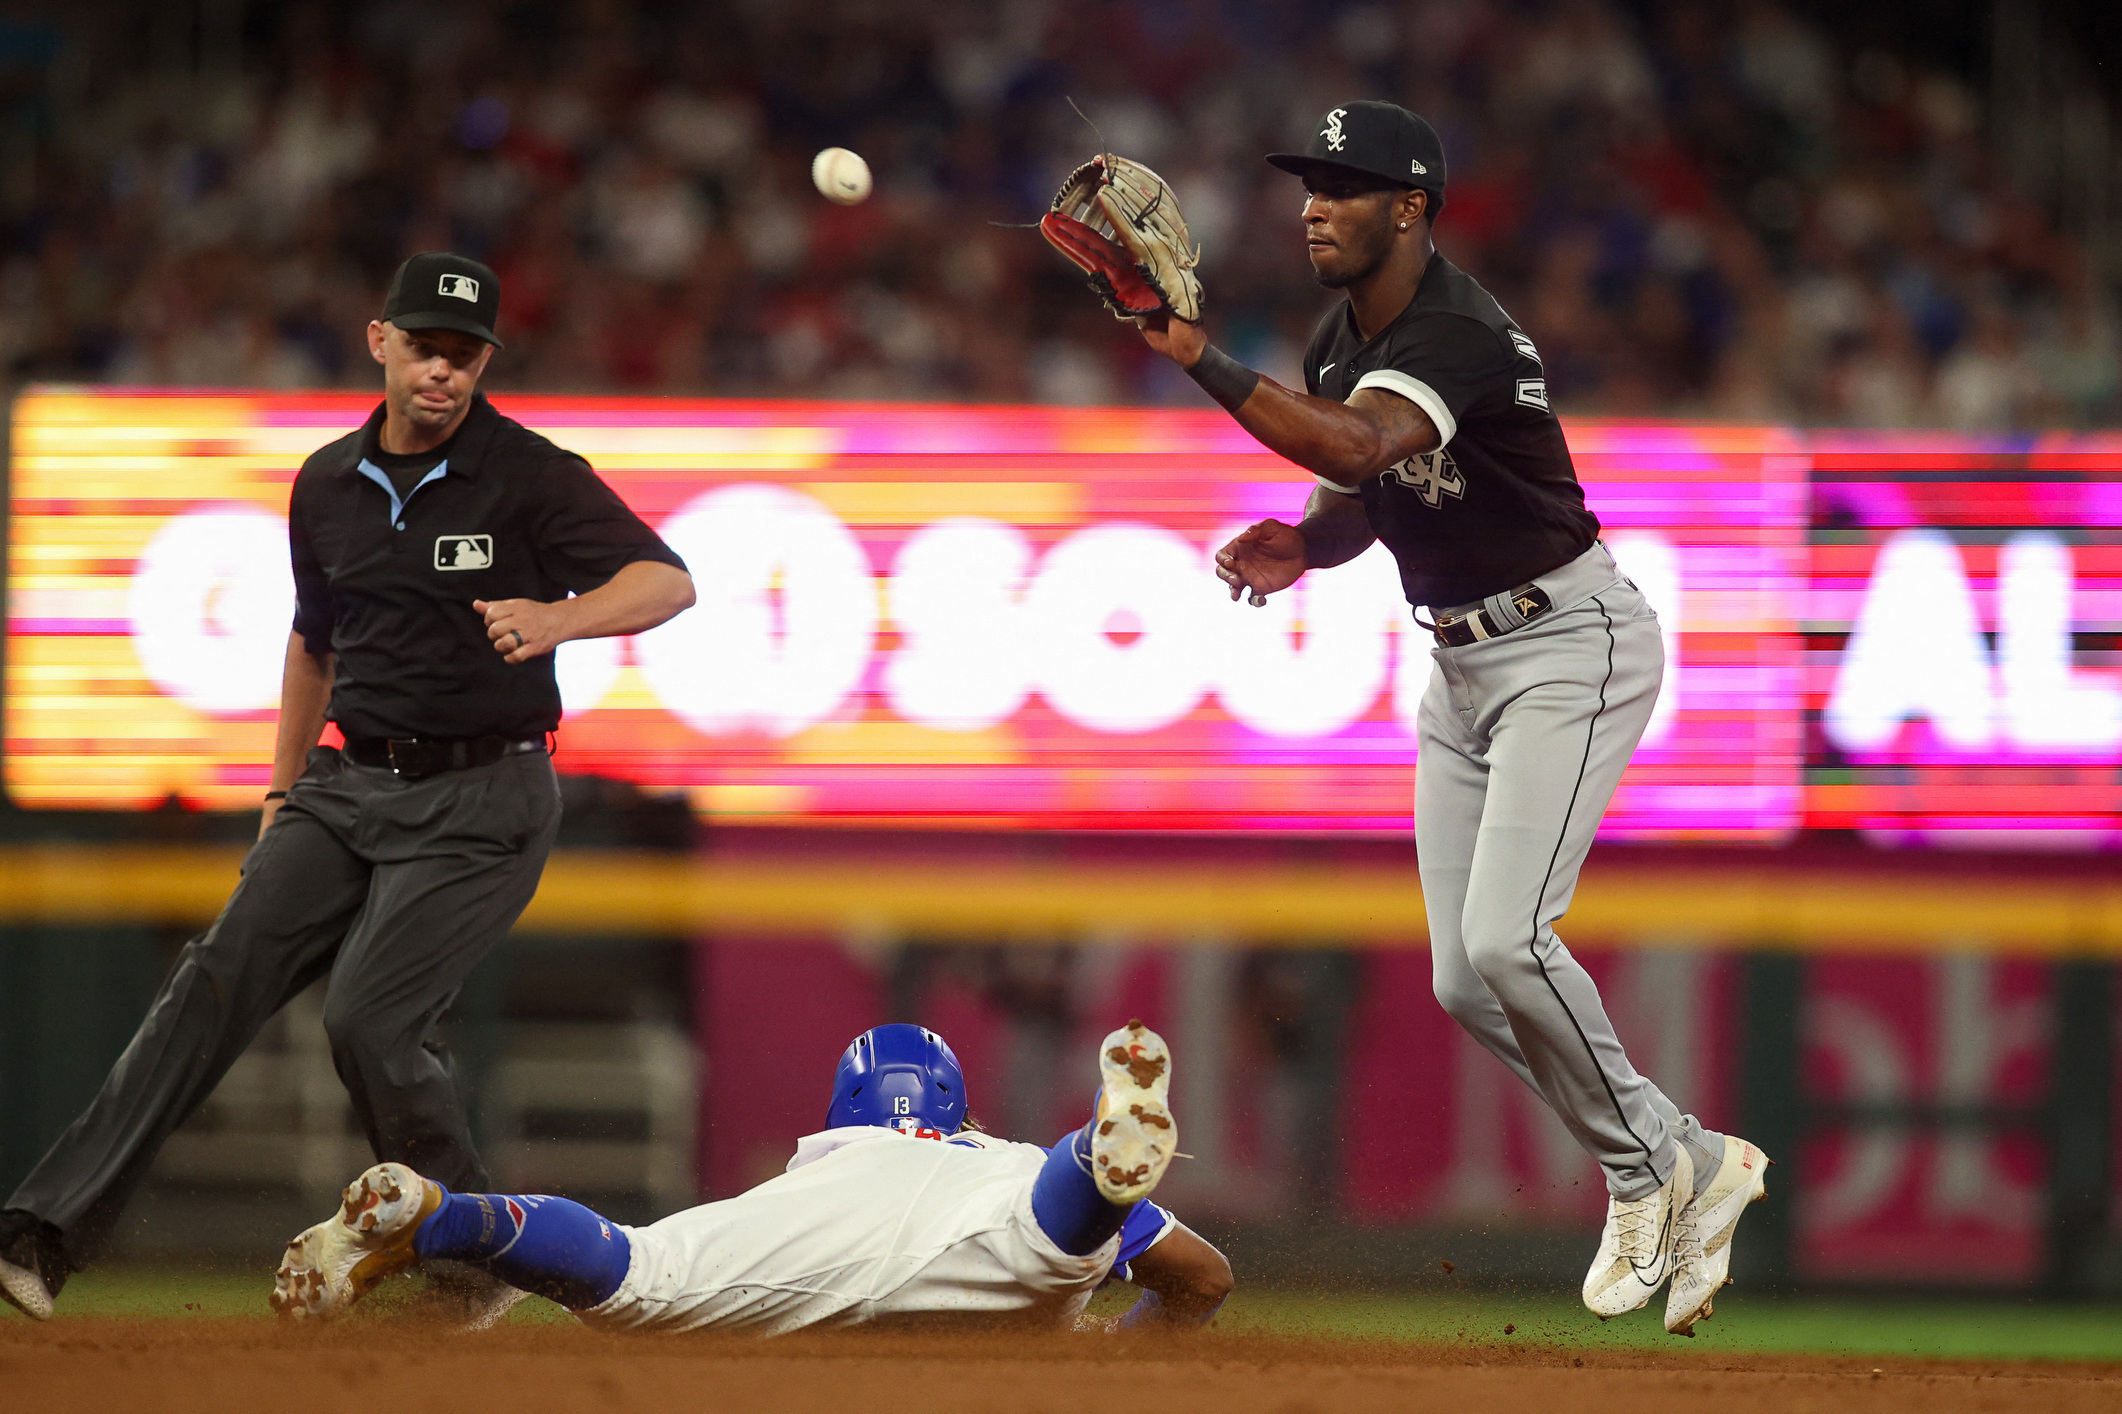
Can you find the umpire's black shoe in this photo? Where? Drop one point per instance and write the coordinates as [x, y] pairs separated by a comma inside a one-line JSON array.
[[33, 1264]]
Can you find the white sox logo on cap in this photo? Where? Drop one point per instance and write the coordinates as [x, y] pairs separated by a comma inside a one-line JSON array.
[[1332, 132], [462, 287]]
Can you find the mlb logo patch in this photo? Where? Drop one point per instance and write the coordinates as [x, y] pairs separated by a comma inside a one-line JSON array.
[[462, 287], [463, 552]]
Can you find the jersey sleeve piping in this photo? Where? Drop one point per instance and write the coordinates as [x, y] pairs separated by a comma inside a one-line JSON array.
[[1392, 380], [1337, 486]]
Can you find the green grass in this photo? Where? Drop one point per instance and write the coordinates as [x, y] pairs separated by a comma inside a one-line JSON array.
[[1995, 1328], [1971, 1328]]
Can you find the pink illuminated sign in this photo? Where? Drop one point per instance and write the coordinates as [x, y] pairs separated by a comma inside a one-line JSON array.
[[1004, 618]]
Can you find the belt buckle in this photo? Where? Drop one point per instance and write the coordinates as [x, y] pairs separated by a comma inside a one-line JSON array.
[[410, 760]]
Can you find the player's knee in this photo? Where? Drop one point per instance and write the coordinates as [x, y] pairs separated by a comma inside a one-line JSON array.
[[1461, 994], [358, 1036], [1498, 959]]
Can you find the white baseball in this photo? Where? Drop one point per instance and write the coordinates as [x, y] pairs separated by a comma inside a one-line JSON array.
[[840, 175]]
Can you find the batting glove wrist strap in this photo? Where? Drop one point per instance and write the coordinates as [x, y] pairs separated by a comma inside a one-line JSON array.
[[1223, 378]]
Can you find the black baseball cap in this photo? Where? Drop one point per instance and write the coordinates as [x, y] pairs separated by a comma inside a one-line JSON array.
[[438, 290], [1378, 139]]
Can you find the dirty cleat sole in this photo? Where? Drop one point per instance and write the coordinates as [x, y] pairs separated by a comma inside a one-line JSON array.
[[336, 1263], [1133, 1137], [1702, 1248]]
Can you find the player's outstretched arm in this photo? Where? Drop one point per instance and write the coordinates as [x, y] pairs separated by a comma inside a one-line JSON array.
[[1185, 1281], [1343, 442]]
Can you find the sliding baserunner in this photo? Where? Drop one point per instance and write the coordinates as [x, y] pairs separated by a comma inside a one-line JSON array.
[[899, 1209]]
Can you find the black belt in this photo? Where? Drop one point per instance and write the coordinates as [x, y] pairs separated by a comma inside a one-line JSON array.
[[1530, 600], [418, 758]]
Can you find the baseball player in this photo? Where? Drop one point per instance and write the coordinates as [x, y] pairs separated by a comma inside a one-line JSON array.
[[899, 1209], [435, 550], [1425, 420]]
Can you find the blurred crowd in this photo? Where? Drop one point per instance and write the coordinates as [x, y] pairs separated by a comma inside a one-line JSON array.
[[1696, 209]]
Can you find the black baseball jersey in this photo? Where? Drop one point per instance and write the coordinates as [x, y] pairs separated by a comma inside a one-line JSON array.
[[1498, 503], [385, 578]]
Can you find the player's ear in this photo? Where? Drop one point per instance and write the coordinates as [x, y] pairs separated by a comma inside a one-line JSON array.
[[378, 333]]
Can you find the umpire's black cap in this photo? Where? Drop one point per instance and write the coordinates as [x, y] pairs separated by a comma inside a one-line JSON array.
[[1379, 139], [438, 290]]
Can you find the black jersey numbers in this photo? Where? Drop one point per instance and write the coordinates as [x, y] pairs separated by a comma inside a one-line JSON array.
[[1430, 475]]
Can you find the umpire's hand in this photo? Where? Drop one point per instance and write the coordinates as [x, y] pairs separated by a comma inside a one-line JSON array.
[[521, 629]]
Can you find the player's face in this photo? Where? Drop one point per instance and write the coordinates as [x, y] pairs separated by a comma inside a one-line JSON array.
[[428, 374], [1348, 225]]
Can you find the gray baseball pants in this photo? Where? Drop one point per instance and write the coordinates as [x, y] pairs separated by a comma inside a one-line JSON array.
[[394, 888], [1523, 738]]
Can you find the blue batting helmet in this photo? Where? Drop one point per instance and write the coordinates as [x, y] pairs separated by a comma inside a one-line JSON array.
[[901, 1077]]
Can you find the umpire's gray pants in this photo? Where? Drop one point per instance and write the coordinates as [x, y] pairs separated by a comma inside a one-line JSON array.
[[1523, 739], [396, 889]]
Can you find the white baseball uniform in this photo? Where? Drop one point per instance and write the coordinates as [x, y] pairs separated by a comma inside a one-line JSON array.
[[868, 1224]]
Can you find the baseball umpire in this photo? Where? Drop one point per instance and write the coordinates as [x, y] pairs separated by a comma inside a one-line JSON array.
[[435, 551], [1426, 422]]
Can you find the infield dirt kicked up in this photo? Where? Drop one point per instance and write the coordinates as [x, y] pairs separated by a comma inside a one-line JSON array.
[[209, 1364]]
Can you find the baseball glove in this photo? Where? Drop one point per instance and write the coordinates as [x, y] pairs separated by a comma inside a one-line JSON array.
[[1119, 221]]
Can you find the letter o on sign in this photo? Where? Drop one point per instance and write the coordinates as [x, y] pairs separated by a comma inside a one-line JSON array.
[[1115, 617], [786, 616], [211, 603]]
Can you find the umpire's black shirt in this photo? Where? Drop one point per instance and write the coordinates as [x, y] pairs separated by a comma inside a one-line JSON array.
[[1498, 503], [387, 582]]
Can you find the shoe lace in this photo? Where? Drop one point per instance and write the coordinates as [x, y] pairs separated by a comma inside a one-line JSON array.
[[1636, 1229]]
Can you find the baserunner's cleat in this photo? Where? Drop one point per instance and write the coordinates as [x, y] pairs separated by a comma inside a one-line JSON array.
[[336, 1263], [1636, 1246], [1133, 1137], [1702, 1246]]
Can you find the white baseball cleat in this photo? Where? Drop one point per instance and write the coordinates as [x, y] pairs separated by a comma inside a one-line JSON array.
[[334, 1264], [1636, 1246], [1133, 1137], [1702, 1247]]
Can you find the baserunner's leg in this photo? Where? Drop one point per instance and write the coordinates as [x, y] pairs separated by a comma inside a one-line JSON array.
[[550, 1247], [1092, 1179], [392, 1217]]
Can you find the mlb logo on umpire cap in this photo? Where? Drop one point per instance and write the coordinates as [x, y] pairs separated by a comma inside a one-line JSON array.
[[440, 290]]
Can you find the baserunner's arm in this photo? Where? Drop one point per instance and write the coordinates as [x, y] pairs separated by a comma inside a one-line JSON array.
[[1184, 1279], [305, 693]]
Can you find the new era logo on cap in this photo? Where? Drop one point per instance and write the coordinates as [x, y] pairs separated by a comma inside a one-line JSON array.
[[462, 287]]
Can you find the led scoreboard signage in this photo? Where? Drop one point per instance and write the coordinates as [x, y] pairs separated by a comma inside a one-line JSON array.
[[1005, 617]]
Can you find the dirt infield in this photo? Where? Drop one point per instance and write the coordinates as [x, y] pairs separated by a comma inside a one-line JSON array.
[[181, 1366]]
